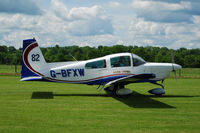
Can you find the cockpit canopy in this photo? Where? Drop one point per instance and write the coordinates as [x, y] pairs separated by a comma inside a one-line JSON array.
[[120, 61], [123, 60]]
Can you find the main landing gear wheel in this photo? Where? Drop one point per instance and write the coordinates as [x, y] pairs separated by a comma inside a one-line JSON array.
[[118, 90]]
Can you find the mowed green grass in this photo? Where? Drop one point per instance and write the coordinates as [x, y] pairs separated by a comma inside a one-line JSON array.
[[43, 107], [9, 68], [187, 73], [190, 72]]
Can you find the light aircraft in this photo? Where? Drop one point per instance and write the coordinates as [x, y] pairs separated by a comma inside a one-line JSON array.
[[111, 72]]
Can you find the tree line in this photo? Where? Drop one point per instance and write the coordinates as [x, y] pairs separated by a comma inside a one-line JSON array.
[[185, 57]]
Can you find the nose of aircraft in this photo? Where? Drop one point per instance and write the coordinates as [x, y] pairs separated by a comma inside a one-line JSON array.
[[176, 66]]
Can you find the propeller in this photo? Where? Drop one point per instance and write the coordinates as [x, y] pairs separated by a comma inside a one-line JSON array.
[[173, 62]]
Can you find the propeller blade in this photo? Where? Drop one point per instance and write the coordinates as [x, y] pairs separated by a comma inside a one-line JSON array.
[[175, 75], [179, 72], [172, 57], [173, 62]]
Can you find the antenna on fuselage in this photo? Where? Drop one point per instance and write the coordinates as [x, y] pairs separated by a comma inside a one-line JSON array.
[[73, 57]]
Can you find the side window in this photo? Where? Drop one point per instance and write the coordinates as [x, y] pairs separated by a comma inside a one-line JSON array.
[[96, 64], [120, 61]]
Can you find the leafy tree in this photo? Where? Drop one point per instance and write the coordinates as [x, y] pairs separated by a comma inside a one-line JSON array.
[[182, 56], [3, 49], [11, 49]]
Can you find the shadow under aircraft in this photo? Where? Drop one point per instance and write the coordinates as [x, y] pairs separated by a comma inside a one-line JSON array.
[[136, 100]]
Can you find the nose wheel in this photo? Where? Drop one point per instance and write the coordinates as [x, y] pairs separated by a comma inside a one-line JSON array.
[[157, 91]]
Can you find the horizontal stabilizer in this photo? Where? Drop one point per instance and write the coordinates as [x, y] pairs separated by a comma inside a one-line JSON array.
[[34, 78]]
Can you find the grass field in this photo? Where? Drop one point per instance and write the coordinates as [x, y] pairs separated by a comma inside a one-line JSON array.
[[9, 69], [188, 73], [42, 107]]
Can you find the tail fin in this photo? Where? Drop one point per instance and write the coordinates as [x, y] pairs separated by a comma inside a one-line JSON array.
[[33, 61]]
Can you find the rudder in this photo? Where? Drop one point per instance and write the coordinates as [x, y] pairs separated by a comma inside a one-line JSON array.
[[33, 61]]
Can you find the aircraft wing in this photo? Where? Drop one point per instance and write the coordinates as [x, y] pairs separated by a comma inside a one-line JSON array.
[[132, 78]]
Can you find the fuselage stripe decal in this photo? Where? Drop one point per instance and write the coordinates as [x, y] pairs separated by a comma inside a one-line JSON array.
[[89, 80]]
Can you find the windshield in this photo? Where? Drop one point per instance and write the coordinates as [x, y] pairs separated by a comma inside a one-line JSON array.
[[137, 60]]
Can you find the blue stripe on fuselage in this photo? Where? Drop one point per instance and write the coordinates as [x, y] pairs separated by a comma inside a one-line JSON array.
[[95, 81], [104, 80]]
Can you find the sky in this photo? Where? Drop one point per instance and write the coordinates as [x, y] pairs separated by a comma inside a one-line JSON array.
[[162, 23]]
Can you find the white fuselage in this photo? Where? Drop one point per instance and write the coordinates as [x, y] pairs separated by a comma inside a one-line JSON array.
[[78, 72]]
